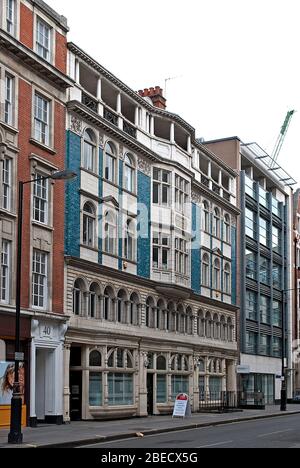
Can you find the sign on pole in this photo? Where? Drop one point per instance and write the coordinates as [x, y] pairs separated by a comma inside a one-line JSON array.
[[182, 408]]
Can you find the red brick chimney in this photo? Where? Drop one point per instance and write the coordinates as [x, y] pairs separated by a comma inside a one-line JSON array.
[[156, 95]]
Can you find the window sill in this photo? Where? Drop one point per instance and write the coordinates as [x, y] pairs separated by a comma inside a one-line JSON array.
[[7, 213], [92, 249], [41, 225], [9, 127], [113, 184], [43, 147], [133, 194], [92, 173]]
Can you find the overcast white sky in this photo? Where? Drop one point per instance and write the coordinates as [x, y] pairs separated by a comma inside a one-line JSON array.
[[237, 61]]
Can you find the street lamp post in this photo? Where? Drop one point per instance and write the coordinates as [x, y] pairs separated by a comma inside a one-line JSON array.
[[283, 401], [15, 435]]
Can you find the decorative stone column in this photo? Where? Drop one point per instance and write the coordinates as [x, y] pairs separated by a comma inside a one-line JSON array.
[[77, 71], [114, 313], [67, 393], [172, 133], [105, 388], [231, 376], [196, 390], [224, 380], [119, 111], [189, 144], [86, 296], [136, 116], [100, 305], [142, 382], [127, 312], [151, 125]]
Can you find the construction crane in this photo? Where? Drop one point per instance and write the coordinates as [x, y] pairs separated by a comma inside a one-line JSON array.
[[281, 138]]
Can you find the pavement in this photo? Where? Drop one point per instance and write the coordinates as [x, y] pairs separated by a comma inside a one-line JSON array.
[[84, 433]]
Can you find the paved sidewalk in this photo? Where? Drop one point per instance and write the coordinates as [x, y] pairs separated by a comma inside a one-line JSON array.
[[89, 432]]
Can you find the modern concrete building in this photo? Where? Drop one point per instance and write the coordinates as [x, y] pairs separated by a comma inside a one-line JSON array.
[[265, 270], [296, 321], [33, 56], [150, 246]]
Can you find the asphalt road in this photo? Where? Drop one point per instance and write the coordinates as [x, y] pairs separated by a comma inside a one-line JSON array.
[[283, 432]]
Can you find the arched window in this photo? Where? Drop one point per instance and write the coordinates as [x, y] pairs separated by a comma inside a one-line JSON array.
[[201, 365], [93, 300], [120, 359], [227, 228], [95, 359], [212, 367], [190, 322], [89, 223], [89, 149], [217, 223], [150, 313], [200, 324], [129, 359], [160, 316], [208, 326], [78, 292], [230, 330], [216, 327], [172, 317], [185, 363], [129, 174], [217, 275], [223, 329], [111, 358], [205, 217], [110, 232], [180, 319], [206, 271], [108, 306], [122, 309], [129, 240], [110, 169], [227, 278], [161, 363], [134, 309]]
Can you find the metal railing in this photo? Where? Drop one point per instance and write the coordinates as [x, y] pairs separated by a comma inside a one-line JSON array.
[[90, 102], [111, 117], [254, 400], [222, 402], [219, 402]]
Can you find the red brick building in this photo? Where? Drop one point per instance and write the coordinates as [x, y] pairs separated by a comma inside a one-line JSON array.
[[33, 60]]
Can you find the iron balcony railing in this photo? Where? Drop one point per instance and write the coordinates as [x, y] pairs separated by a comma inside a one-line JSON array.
[[89, 102]]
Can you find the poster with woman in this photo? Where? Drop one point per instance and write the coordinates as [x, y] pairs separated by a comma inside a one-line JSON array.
[[7, 377]]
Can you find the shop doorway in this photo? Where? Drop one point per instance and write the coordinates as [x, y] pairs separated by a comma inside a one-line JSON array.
[[150, 386], [45, 384], [76, 396]]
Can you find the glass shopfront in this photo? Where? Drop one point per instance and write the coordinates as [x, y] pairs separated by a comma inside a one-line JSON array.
[[260, 383]]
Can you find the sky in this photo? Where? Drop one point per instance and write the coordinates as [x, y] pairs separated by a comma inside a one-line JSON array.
[[234, 64]]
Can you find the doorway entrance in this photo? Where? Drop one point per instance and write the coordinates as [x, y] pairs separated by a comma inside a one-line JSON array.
[[76, 396], [150, 386]]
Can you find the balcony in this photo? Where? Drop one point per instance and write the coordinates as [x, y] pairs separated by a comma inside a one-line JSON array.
[[205, 181], [129, 129], [89, 102], [216, 189], [111, 117]]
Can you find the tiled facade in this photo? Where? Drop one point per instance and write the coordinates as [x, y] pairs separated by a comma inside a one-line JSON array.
[[147, 317]]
